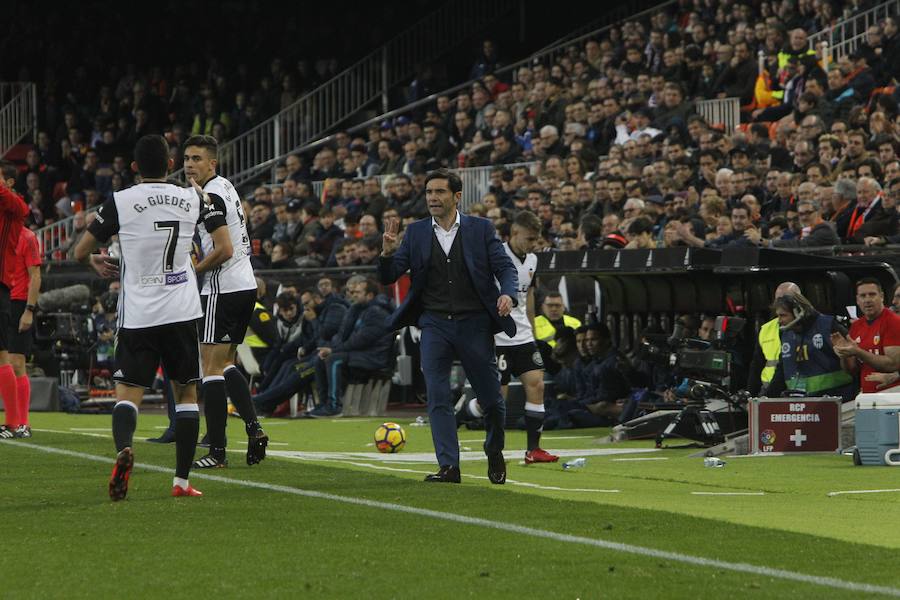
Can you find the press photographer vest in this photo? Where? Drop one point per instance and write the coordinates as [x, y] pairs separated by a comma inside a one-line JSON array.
[[809, 362]]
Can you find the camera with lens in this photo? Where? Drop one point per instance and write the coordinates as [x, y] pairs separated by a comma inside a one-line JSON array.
[[708, 361]]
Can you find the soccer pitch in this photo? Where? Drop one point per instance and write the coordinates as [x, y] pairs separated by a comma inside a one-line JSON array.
[[326, 516]]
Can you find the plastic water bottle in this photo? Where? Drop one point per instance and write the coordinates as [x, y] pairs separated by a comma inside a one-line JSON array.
[[712, 461], [574, 464]]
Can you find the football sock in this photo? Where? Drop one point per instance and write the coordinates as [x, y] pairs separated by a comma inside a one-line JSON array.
[[187, 427], [180, 481], [213, 392], [124, 420], [474, 408], [23, 395], [534, 424], [8, 392], [239, 392]]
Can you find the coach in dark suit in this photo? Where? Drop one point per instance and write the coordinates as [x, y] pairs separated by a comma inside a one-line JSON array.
[[454, 262]]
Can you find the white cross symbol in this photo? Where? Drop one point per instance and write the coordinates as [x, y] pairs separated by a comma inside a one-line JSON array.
[[798, 438]]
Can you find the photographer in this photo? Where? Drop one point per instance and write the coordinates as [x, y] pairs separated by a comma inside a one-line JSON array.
[[808, 365]]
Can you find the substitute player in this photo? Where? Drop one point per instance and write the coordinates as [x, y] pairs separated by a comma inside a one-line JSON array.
[[519, 356], [158, 306], [24, 296], [12, 214], [228, 296]]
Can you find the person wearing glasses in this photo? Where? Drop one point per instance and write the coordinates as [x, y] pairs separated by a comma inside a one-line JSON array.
[[889, 201], [814, 230]]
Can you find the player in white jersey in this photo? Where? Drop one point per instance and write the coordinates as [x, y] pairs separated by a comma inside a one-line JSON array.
[[158, 305], [519, 356], [228, 296]]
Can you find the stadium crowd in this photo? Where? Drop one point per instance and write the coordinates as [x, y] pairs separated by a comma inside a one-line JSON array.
[[615, 154]]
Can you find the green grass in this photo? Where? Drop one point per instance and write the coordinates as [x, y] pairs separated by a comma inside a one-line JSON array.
[[68, 540]]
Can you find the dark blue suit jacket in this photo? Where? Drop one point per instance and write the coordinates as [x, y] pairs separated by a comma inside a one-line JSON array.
[[485, 259]]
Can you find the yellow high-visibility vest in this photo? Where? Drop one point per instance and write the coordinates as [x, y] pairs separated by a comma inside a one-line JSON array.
[[544, 330], [251, 339], [770, 343]]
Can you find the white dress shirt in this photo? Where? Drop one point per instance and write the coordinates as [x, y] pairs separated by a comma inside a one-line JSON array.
[[445, 238]]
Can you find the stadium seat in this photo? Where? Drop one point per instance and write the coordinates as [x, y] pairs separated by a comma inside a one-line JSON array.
[[248, 361]]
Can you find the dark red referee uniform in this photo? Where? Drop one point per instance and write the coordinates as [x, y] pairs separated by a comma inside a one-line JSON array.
[[12, 217]]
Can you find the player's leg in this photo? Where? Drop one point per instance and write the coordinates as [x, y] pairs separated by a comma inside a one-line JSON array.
[[187, 428], [137, 358], [8, 389], [124, 422], [23, 395], [214, 396], [533, 382], [181, 360], [19, 348]]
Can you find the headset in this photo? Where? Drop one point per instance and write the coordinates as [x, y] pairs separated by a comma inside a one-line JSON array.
[[796, 307]]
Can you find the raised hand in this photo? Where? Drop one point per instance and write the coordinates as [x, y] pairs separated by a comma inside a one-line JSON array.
[[203, 195], [843, 346], [390, 241]]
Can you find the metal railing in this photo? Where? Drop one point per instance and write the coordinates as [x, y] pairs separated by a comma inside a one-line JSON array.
[[53, 237], [722, 111], [356, 87], [476, 181], [546, 56], [846, 35], [18, 113]]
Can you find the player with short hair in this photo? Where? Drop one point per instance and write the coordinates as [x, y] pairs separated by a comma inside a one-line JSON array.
[[228, 296], [519, 355], [12, 214], [158, 306], [24, 296]]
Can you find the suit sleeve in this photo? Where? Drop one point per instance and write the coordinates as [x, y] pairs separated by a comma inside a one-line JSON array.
[[501, 265], [390, 268]]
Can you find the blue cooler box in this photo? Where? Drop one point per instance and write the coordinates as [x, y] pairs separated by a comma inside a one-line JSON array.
[[877, 429]]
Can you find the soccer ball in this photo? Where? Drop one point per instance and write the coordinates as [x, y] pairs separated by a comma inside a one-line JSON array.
[[390, 438]]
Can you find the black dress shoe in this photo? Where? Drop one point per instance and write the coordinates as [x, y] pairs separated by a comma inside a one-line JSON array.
[[497, 468], [445, 475]]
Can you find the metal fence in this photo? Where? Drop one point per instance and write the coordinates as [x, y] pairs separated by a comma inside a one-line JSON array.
[[18, 113], [722, 111], [476, 181], [360, 85], [846, 35]]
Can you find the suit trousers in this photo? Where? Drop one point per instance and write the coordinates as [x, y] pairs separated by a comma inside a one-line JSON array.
[[469, 338]]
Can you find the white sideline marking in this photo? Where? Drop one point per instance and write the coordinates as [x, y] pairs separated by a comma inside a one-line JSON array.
[[728, 493], [543, 437], [92, 428], [511, 481], [861, 492], [270, 443], [830, 582], [428, 457], [636, 459]]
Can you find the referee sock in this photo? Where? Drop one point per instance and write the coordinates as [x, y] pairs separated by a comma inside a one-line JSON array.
[[187, 427], [23, 395], [124, 420], [239, 392], [213, 392], [534, 424], [8, 392]]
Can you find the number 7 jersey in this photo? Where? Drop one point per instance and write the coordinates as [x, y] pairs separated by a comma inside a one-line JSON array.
[[155, 223], [236, 273]]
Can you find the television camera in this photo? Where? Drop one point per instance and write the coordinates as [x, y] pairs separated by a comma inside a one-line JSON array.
[[706, 368]]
